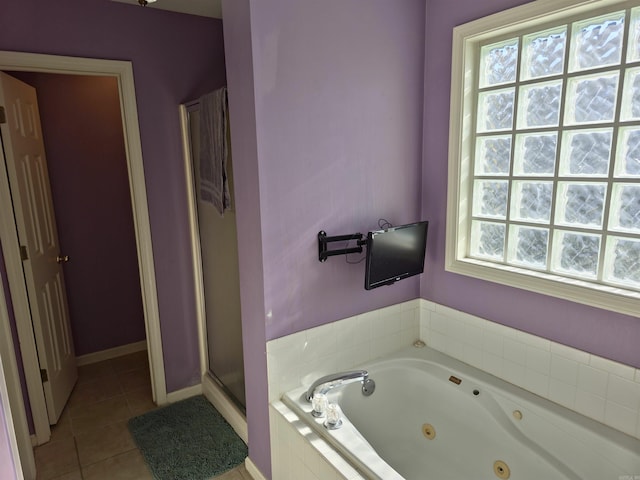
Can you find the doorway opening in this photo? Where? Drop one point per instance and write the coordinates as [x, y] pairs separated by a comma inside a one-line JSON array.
[[123, 73]]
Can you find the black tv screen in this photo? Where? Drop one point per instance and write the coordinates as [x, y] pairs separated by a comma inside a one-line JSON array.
[[395, 253]]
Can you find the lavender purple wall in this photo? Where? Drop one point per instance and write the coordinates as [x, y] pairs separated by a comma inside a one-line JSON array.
[[238, 49], [597, 331], [338, 90], [175, 58], [331, 141], [82, 129]]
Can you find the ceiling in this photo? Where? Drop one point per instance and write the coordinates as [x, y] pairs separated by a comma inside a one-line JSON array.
[[204, 8]]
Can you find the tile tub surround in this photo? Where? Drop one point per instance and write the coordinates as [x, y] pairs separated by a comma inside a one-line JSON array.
[[302, 357], [299, 453], [598, 388]]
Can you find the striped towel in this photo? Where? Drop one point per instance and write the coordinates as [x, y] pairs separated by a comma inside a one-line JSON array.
[[214, 150]]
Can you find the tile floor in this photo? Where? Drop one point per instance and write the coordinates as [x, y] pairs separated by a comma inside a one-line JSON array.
[[91, 441]]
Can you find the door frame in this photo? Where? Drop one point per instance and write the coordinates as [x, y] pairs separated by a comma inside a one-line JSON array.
[[123, 72], [194, 235], [12, 402]]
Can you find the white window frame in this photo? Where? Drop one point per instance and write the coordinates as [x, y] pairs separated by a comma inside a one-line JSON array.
[[466, 39]]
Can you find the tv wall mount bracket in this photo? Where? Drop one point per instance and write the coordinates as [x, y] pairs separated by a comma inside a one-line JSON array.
[[324, 241]]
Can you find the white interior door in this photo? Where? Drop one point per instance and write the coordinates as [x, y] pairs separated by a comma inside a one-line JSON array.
[[35, 221]]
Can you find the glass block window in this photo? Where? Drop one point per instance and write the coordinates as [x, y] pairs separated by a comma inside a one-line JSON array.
[[553, 149]]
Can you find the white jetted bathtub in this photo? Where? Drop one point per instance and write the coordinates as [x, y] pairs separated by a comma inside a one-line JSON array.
[[432, 417]]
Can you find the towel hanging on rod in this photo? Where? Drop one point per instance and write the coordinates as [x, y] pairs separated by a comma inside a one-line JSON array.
[[214, 149]]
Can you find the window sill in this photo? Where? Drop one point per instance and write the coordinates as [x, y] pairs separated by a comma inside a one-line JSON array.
[[601, 296]]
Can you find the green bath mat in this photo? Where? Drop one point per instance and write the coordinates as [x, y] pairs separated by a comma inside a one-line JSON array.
[[188, 440]]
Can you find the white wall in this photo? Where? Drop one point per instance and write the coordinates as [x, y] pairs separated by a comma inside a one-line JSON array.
[[8, 446]]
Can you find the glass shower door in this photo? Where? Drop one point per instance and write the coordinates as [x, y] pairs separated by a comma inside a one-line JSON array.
[[221, 283]]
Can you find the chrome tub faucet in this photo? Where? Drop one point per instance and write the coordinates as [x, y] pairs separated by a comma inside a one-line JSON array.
[[329, 382]]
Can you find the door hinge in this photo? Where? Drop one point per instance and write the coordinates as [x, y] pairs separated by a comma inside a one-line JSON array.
[[43, 375], [24, 255], [3, 117]]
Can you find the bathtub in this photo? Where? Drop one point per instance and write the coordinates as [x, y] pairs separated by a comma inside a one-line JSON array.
[[433, 417]]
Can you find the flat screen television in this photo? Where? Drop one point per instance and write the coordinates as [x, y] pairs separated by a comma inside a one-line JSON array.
[[395, 253]]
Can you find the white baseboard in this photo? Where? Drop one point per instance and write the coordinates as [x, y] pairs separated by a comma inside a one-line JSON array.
[[111, 353], [184, 393], [226, 407], [253, 470]]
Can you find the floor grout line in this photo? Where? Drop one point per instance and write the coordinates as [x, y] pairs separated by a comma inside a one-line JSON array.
[[133, 397], [75, 442]]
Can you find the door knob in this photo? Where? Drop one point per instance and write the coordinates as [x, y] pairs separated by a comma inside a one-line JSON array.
[[62, 258]]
